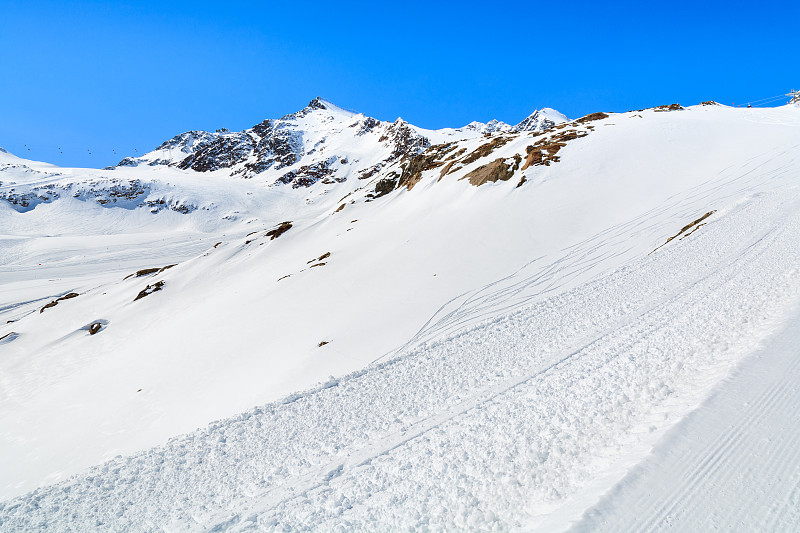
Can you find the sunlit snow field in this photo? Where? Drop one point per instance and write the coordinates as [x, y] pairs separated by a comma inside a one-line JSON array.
[[609, 346]]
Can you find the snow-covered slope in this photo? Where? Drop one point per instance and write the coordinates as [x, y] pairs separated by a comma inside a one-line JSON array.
[[742, 441], [577, 290]]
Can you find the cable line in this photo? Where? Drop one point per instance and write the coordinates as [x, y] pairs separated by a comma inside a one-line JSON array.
[[768, 98]]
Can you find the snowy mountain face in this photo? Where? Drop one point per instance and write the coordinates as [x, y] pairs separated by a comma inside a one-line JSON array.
[[541, 120], [322, 142], [330, 322], [320, 145]]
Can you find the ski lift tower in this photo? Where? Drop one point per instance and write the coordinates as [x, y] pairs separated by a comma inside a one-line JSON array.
[[795, 97]]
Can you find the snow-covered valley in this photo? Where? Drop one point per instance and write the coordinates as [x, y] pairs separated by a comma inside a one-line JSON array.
[[353, 325]]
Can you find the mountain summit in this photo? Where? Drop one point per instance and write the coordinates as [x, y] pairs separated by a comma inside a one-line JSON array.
[[321, 141]]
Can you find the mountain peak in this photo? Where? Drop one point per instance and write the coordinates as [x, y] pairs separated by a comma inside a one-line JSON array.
[[320, 103], [317, 103], [541, 119]]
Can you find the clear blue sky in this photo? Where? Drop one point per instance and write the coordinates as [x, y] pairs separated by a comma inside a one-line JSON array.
[[105, 76]]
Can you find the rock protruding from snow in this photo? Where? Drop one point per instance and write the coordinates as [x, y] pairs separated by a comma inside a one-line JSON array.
[[173, 149]]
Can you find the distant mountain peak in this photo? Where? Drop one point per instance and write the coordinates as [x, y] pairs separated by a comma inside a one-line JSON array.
[[317, 103], [541, 119], [311, 144], [321, 104]]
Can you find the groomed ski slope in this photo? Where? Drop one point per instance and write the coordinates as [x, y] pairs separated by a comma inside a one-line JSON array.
[[742, 442], [518, 422]]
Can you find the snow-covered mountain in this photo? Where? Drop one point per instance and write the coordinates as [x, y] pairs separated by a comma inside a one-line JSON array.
[[380, 327], [316, 148], [321, 142]]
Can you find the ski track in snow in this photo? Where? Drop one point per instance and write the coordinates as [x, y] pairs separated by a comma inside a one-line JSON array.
[[584, 260], [487, 429], [743, 443]]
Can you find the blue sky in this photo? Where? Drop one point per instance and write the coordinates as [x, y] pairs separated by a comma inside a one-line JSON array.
[[99, 80]]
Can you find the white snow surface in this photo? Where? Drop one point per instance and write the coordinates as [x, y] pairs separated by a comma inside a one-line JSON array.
[[743, 441], [466, 358]]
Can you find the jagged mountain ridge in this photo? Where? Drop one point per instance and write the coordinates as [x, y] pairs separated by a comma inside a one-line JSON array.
[[320, 142], [318, 150]]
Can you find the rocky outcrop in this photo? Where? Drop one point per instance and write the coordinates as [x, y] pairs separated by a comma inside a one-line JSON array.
[[223, 152], [308, 175], [498, 170], [403, 140], [431, 158], [277, 144], [107, 192]]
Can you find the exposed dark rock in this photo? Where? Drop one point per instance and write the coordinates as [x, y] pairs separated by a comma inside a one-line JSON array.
[[367, 125], [485, 149], [282, 228], [149, 271], [544, 151], [55, 302], [150, 289], [126, 190], [369, 171], [688, 229], [671, 107], [458, 153], [404, 140], [591, 117], [316, 103], [159, 204], [278, 146], [542, 155], [143, 272], [385, 186], [320, 258], [308, 175], [188, 142], [128, 162], [431, 158], [104, 191], [497, 170], [223, 152]]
